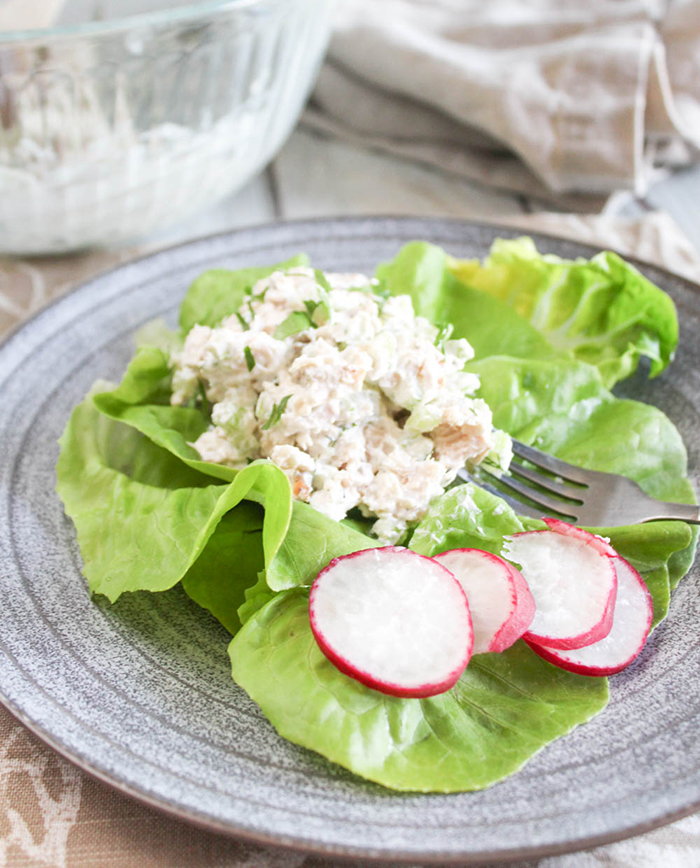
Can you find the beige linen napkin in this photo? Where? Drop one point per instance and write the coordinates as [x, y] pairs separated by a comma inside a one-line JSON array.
[[548, 98], [53, 815], [28, 14]]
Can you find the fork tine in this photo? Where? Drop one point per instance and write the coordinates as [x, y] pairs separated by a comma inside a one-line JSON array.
[[518, 506], [562, 489], [553, 465], [549, 504]]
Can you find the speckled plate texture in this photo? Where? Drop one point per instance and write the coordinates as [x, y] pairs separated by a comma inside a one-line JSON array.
[[139, 693]]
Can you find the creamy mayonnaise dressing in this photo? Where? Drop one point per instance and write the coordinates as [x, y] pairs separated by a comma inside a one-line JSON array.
[[359, 407]]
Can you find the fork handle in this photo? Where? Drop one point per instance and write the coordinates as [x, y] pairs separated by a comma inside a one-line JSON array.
[[682, 511]]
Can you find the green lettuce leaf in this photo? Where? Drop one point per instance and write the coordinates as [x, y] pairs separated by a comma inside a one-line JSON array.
[[601, 311], [562, 407], [146, 519], [231, 562], [501, 712], [465, 517], [145, 535], [255, 597], [491, 327], [682, 561], [142, 401], [220, 292], [312, 539]]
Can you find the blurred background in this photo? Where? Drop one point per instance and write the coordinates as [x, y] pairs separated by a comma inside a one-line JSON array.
[[127, 125], [157, 120]]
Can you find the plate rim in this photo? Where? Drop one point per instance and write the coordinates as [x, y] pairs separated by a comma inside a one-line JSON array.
[[592, 249], [299, 843]]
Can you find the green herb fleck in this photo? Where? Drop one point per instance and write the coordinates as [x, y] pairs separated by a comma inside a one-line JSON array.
[[276, 414], [249, 358], [381, 290], [204, 401], [259, 296], [444, 334], [318, 312], [296, 322], [244, 324], [322, 280], [322, 314]]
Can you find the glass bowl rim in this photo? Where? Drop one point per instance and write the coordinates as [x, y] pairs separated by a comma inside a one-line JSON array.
[[171, 15]]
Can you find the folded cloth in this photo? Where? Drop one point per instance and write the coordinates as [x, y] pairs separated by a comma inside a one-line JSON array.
[[539, 97]]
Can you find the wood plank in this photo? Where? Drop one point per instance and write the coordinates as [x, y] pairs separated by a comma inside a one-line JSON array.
[[317, 176]]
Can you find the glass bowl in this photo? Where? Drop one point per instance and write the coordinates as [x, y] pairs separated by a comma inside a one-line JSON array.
[[114, 129]]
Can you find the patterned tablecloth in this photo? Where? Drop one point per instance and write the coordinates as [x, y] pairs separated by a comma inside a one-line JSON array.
[[51, 814]]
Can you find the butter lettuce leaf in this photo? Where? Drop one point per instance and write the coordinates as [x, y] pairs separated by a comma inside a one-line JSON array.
[[467, 516], [145, 519], [562, 407], [142, 516], [502, 711], [142, 401], [491, 326], [232, 561], [602, 311], [312, 539]]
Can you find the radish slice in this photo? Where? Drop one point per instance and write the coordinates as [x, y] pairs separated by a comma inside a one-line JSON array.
[[634, 611], [559, 526], [571, 575], [394, 620], [500, 601]]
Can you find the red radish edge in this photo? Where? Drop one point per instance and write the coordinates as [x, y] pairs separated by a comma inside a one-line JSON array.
[[525, 606], [603, 626], [522, 609], [569, 662], [597, 542], [603, 546], [366, 678]]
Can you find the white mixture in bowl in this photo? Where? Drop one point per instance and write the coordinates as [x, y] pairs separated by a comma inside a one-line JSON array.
[[360, 402]]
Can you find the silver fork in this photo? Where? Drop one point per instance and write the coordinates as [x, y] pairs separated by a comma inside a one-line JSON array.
[[587, 497]]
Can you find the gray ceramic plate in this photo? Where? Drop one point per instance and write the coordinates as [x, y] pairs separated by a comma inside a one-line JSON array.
[[139, 693]]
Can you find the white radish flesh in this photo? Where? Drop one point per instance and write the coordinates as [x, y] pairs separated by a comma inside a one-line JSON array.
[[500, 601], [394, 620], [571, 575], [634, 611]]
